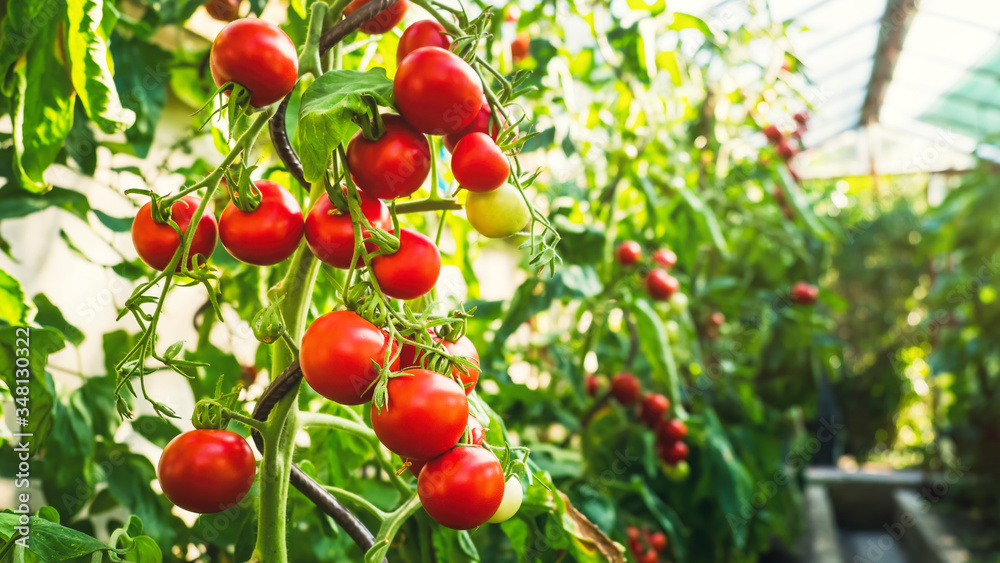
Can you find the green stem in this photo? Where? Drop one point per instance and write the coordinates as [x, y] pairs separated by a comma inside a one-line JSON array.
[[359, 500], [394, 520], [321, 420], [428, 204], [257, 425]]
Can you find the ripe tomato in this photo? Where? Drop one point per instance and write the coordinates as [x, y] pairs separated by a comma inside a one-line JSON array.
[[384, 20], [412, 271], [336, 357], [476, 436], [785, 150], [478, 164], [804, 293], [772, 133], [658, 541], [436, 91], [673, 430], [673, 453], [513, 495], [223, 10], [497, 214], [156, 243], [330, 233], [632, 532], [625, 388], [206, 471], [628, 253], [660, 285], [652, 408], [258, 56], [267, 235], [649, 557], [802, 117], [592, 384], [463, 488], [665, 258], [480, 124], [519, 47], [424, 33], [463, 348], [395, 165], [717, 319], [425, 416]]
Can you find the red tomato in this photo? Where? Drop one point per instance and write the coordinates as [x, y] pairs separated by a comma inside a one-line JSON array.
[[785, 150], [660, 285], [425, 416], [436, 91], [476, 436], [395, 165], [480, 124], [592, 384], [330, 233], [424, 33], [652, 408], [665, 258], [519, 47], [206, 471], [267, 235], [463, 348], [384, 20], [673, 430], [674, 452], [632, 532], [802, 117], [625, 388], [463, 488], [412, 271], [223, 10], [649, 557], [628, 253], [336, 357], [658, 541], [772, 133], [717, 319], [156, 243], [804, 293], [258, 56], [478, 164]]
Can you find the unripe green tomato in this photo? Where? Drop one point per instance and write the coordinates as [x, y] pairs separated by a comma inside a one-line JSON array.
[[679, 302], [676, 473], [497, 214], [673, 330], [512, 497]]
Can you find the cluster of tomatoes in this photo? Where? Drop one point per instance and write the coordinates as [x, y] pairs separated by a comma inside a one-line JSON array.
[[660, 285], [645, 545], [654, 407], [788, 146]]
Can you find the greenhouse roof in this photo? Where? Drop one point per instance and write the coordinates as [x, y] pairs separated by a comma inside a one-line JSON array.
[[923, 69]]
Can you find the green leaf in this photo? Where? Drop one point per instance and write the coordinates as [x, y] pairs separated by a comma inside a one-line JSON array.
[[43, 106], [706, 217], [142, 75], [50, 541], [665, 516], [145, 550], [16, 202], [90, 66], [116, 224], [23, 19], [13, 307], [50, 316], [731, 482], [81, 145], [155, 429], [41, 342], [687, 21], [655, 343], [327, 110]]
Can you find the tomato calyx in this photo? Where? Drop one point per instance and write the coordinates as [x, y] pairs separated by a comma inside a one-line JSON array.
[[371, 128], [243, 192]]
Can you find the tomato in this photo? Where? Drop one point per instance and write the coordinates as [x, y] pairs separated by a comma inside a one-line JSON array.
[[785, 150], [717, 319], [424, 33], [660, 285], [258, 56], [477, 434], [672, 430], [625, 388], [395, 165], [411, 271], [632, 532], [679, 302], [802, 117], [336, 357], [628, 253], [330, 233], [384, 20], [673, 453], [425, 416], [772, 133], [156, 243], [436, 91], [462, 348], [478, 164], [480, 124], [592, 385], [206, 471], [513, 495], [223, 10], [673, 329], [804, 293], [652, 408], [497, 214], [649, 557], [658, 541], [519, 47], [665, 258], [677, 472], [267, 235], [463, 488]]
